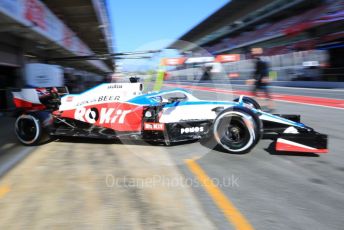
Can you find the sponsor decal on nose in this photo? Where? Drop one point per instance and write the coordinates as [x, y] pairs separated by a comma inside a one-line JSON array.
[[192, 130], [154, 126]]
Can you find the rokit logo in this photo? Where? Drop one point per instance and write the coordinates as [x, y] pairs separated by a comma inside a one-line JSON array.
[[105, 116], [192, 130]]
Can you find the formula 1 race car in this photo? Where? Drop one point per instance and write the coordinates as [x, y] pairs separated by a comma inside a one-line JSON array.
[[122, 111]]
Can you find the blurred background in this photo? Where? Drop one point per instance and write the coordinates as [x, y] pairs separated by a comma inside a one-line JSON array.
[[302, 40]]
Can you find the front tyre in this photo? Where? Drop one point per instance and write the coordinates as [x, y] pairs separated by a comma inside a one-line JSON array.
[[28, 129], [236, 131]]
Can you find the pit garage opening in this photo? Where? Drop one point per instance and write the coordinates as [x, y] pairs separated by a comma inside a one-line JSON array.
[[9, 76]]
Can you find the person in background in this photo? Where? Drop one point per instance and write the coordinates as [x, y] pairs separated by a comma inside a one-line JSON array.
[[261, 82], [206, 73]]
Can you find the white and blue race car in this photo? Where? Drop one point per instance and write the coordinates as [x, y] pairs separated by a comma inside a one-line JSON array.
[[122, 111]]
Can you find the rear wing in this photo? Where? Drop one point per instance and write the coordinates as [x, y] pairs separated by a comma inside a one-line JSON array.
[[38, 98]]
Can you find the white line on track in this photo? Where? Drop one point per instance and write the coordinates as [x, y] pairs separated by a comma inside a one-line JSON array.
[[7, 146], [12, 161], [285, 101], [281, 87], [325, 106]]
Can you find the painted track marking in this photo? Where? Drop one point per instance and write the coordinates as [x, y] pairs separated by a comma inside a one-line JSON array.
[[231, 213], [4, 189]]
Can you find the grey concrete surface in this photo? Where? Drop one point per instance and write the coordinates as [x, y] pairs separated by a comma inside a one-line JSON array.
[[294, 191], [11, 152], [288, 191], [99, 185]]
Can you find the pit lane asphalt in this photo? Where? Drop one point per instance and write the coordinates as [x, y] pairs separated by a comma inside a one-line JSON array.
[[297, 191], [272, 191], [11, 152]]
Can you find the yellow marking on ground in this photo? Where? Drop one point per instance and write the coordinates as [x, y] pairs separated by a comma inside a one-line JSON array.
[[4, 189], [232, 214]]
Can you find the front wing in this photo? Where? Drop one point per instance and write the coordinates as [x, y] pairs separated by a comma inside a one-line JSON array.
[[308, 142]]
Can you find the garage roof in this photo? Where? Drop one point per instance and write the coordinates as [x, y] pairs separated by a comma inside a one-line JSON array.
[[89, 20]]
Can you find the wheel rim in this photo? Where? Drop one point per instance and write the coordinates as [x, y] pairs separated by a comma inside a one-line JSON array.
[[27, 129], [234, 131], [235, 134]]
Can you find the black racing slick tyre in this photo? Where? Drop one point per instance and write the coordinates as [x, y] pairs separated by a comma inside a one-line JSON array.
[[237, 130], [29, 131], [249, 101]]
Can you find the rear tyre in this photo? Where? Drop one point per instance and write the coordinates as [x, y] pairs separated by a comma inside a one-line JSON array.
[[29, 130], [236, 130]]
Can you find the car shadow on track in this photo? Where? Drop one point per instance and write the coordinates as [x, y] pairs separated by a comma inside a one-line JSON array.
[[86, 140], [212, 145]]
